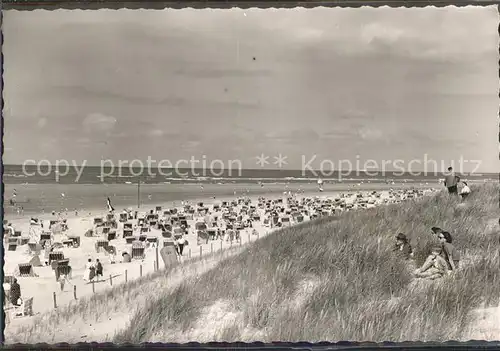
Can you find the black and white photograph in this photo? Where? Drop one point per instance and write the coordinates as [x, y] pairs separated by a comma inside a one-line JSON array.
[[203, 175]]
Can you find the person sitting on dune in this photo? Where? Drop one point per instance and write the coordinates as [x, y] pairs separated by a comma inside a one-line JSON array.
[[434, 266], [449, 252], [436, 231], [465, 191], [403, 246]]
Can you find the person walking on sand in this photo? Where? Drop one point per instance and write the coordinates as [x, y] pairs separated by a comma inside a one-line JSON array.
[[465, 191], [179, 244], [98, 270], [451, 181], [89, 273], [63, 278]]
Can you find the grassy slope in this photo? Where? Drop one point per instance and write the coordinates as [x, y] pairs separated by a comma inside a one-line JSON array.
[[338, 280]]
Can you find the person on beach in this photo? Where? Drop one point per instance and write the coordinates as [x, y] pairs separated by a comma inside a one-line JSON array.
[[179, 245], [62, 279], [434, 266], [403, 246], [112, 257], [449, 252], [451, 181], [465, 191], [126, 257], [15, 293], [98, 270], [89, 273]]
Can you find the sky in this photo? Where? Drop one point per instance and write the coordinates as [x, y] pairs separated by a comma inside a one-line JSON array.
[[333, 84]]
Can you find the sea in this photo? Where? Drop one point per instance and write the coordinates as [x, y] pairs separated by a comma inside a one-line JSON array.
[[32, 190]]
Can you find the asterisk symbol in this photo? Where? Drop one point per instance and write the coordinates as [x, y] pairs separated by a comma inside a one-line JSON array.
[[280, 160], [262, 160]]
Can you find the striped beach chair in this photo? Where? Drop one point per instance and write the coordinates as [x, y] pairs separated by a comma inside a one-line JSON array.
[[138, 251]]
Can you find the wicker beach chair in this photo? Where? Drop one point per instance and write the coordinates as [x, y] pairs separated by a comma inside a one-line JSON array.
[[138, 251], [101, 245]]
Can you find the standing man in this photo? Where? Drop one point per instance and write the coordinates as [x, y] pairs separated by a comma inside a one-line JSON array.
[[15, 293], [451, 181]]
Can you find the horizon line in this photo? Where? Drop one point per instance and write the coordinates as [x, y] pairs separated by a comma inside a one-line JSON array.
[[252, 169]]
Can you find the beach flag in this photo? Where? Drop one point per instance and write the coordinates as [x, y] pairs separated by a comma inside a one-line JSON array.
[[110, 207]]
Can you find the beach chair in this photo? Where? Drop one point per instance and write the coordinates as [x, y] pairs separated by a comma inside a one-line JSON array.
[[142, 238], [101, 244], [75, 240], [168, 243], [111, 235], [212, 233], [144, 229], [166, 234], [138, 251], [151, 240], [26, 308], [123, 217], [68, 243], [285, 221], [12, 246], [22, 241], [106, 230], [55, 256], [25, 270], [130, 239], [63, 269], [127, 233]]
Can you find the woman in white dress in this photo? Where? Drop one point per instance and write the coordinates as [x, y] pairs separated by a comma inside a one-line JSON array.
[[465, 191], [88, 271]]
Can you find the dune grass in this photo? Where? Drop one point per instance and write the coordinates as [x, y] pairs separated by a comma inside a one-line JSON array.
[[120, 299], [331, 280]]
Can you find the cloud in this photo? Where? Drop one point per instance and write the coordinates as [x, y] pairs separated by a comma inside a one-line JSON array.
[[42, 122], [156, 133], [295, 136], [367, 133], [191, 144], [98, 122]]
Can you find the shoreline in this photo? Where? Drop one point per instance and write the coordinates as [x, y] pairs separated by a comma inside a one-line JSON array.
[[120, 202], [89, 213]]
